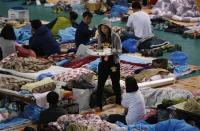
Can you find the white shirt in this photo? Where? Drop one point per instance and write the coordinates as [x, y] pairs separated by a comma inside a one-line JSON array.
[[136, 106], [140, 23]]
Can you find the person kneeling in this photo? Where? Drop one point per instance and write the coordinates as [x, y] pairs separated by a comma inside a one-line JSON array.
[[133, 101]]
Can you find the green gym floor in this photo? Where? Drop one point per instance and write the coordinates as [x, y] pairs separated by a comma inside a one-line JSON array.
[[190, 46]]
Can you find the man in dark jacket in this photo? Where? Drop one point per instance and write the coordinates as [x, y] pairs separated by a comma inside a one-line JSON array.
[[52, 113], [83, 33], [42, 41]]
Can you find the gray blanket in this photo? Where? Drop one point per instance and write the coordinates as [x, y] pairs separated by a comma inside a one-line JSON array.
[[181, 10]]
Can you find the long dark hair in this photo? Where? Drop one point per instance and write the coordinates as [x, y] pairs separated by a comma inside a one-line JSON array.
[[8, 32], [103, 36]]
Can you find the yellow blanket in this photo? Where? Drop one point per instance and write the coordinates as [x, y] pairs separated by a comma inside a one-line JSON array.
[[44, 85]]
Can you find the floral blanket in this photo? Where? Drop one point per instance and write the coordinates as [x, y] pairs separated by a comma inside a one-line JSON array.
[[180, 10]]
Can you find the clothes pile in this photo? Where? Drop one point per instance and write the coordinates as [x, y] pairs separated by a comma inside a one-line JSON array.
[[155, 47]]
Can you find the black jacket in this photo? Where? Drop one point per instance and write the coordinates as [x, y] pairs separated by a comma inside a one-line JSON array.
[[83, 34]]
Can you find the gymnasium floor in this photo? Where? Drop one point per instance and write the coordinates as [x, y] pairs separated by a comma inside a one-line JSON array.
[[190, 46]]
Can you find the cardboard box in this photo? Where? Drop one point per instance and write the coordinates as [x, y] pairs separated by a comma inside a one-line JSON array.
[[18, 14]]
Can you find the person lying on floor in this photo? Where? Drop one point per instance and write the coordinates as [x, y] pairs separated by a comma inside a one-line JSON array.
[[139, 23], [52, 113], [133, 101], [63, 22], [83, 33], [42, 42]]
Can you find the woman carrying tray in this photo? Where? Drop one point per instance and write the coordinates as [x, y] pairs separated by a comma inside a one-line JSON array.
[[110, 43]]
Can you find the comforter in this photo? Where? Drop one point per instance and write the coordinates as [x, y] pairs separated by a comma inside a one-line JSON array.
[[180, 10]]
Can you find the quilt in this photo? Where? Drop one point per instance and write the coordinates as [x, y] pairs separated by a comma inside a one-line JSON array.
[[180, 10]]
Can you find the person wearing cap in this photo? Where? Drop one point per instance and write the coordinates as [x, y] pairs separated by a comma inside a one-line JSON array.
[[42, 41], [109, 65]]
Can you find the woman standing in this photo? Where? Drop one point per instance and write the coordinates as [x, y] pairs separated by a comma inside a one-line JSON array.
[[109, 65]]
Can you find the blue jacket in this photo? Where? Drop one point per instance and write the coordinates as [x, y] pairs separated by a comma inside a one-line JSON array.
[[43, 43]]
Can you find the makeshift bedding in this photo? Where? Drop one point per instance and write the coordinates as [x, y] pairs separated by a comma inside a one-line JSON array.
[[67, 34], [180, 10], [193, 105], [53, 70], [168, 125], [154, 97], [78, 127], [86, 120], [13, 122], [12, 83], [145, 75], [135, 59], [60, 57], [74, 74], [191, 84], [125, 68], [77, 63], [25, 65], [42, 86]]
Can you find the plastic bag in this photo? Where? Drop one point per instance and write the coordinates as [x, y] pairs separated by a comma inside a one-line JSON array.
[[179, 58], [130, 45], [117, 10], [32, 112], [82, 97]]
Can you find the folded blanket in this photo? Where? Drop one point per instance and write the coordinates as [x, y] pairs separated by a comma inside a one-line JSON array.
[[67, 34], [146, 74], [193, 105], [47, 84], [12, 83]]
